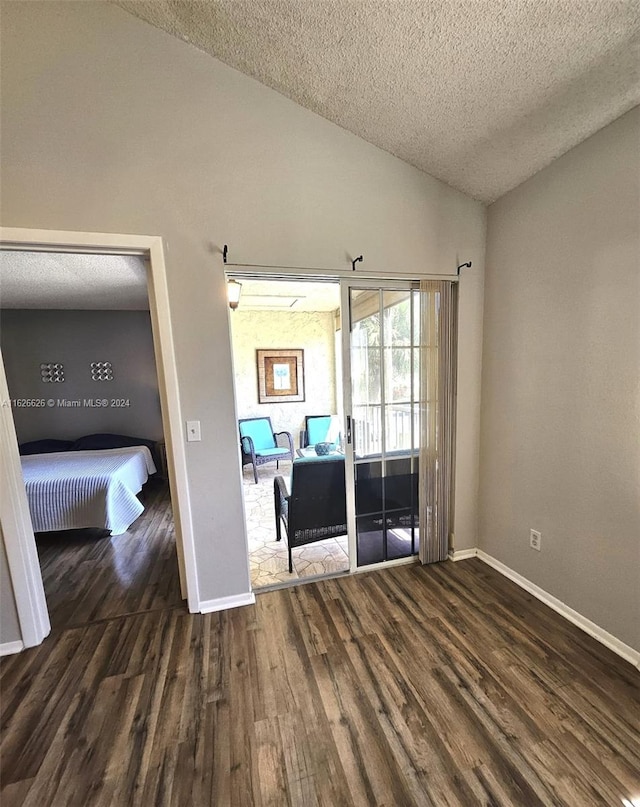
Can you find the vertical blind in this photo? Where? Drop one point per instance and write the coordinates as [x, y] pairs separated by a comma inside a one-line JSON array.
[[437, 406]]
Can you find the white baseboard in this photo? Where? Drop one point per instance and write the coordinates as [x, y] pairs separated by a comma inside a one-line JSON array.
[[607, 639], [224, 603], [9, 648], [462, 554]]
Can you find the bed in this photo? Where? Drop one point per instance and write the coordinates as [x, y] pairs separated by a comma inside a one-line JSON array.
[[75, 489]]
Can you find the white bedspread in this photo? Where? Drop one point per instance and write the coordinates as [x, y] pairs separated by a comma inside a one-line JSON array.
[[76, 489]]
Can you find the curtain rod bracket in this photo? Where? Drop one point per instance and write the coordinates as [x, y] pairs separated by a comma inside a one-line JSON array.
[[463, 265], [354, 262], [225, 251]]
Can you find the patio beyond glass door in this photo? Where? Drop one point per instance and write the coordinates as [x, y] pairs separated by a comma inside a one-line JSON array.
[[381, 345]]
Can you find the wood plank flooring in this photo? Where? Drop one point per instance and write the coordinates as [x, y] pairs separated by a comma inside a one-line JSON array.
[[89, 575], [441, 685]]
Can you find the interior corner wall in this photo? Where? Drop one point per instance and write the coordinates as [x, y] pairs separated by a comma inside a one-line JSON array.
[[311, 331], [560, 449], [110, 125], [77, 406]]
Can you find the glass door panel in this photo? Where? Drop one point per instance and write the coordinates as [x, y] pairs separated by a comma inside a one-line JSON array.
[[383, 344]]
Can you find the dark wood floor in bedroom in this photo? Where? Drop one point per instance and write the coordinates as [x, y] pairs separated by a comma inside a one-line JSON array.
[[441, 685], [89, 575]]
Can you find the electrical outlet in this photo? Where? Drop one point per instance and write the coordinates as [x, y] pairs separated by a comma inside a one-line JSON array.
[[535, 540]]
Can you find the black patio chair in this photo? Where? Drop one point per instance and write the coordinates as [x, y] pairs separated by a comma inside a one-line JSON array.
[[315, 508]]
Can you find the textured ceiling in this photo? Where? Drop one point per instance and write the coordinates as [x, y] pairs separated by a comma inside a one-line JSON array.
[[71, 281], [479, 93]]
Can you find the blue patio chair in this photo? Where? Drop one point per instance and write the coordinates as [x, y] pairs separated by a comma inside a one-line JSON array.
[[259, 444], [317, 429]]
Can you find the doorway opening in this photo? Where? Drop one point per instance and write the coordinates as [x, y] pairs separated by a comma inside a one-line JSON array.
[[166, 456], [287, 365], [82, 379]]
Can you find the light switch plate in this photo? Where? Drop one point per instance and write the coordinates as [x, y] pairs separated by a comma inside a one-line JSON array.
[[193, 431]]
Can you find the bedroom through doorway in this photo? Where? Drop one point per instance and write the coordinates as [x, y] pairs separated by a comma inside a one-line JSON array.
[[80, 364]]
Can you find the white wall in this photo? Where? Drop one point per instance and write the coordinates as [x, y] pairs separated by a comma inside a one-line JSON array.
[[75, 339], [561, 379], [311, 331], [111, 125], [9, 624]]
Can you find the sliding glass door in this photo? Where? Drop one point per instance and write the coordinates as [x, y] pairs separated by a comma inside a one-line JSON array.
[[381, 339], [392, 429]]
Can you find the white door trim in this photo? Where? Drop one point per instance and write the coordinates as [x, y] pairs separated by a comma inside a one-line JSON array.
[[20, 545], [14, 513]]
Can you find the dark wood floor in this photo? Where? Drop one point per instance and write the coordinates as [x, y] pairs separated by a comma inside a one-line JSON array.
[[442, 685], [89, 575]]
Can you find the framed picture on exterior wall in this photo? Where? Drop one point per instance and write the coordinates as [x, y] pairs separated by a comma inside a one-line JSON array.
[[280, 375]]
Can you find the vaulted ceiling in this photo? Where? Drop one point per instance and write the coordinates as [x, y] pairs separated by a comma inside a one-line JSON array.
[[481, 94]]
